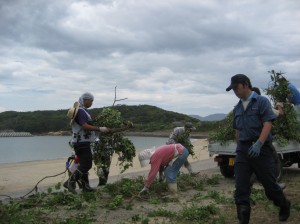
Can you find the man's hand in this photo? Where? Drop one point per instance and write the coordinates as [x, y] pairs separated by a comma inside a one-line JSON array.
[[254, 150], [104, 129], [279, 104], [144, 190]]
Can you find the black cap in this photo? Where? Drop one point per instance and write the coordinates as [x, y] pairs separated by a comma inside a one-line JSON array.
[[236, 79]]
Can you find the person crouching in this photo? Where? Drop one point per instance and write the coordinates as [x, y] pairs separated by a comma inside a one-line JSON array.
[[162, 157]]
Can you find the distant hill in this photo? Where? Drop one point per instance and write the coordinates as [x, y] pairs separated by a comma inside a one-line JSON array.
[[145, 118], [212, 117]]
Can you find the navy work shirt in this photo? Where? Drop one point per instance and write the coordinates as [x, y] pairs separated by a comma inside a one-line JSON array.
[[82, 117], [249, 122]]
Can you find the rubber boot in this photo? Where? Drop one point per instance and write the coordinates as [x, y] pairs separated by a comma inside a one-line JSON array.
[[103, 176], [102, 181], [243, 213], [70, 184], [173, 189], [284, 212], [282, 185], [189, 168], [68, 181], [78, 182], [86, 184]]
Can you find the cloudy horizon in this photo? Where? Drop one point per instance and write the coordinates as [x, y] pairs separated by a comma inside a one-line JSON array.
[[176, 55]]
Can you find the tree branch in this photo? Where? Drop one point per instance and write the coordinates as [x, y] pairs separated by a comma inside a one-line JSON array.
[[115, 100]]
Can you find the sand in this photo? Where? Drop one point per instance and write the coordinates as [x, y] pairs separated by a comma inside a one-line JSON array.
[[19, 178]]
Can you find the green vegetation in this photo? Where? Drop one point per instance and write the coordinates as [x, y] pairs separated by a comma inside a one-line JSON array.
[[284, 129], [112, 142], [225, 131], [144, 117], [82, 208], [199, 214], [119, 202], [35, 122]]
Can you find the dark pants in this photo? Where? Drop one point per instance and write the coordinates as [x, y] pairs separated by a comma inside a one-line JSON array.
[[105, 162], [83, 151], [264, 167], [277, 169]]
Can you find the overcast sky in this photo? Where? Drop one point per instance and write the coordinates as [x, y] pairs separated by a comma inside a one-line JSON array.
[[174, 54]]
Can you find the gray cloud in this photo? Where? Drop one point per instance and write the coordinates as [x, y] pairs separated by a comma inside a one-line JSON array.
[[178, 55]]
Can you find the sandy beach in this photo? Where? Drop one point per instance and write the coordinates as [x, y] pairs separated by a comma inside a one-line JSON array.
[[19, 178]]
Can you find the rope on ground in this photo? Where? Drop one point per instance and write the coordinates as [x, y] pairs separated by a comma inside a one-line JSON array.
[[36, 186], [4, 195]]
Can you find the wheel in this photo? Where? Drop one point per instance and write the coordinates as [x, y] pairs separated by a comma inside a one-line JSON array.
[[227, 171], [278, 166], [279, 170]]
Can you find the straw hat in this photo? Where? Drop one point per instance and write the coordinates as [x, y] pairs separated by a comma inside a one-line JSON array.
[[72, 112]]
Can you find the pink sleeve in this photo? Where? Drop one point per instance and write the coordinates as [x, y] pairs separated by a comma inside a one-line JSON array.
[[179, 148], [155, 165]]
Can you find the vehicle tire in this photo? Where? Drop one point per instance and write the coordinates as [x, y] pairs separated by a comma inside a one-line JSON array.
[[279, 170], [227, 171]]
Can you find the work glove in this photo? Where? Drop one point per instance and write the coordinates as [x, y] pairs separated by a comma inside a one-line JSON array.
[[144, 190], [104, 129], [280, 104], [254, 150]]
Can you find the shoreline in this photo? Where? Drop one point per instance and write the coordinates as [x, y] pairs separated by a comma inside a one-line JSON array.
[[23, 176], [196, 135], [11, 150], [205, 167]]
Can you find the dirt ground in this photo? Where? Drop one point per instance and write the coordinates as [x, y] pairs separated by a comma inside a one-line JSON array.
[[263, 211], [219, 195]]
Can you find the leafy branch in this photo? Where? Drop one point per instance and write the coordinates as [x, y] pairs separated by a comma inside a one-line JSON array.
[[114, 141], [225, 132], [184, 139], [285, 128]]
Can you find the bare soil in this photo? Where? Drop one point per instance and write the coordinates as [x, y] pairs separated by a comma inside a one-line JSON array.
[[262, 212]]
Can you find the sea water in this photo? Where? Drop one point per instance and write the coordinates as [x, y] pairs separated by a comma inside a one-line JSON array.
[[22, 149]]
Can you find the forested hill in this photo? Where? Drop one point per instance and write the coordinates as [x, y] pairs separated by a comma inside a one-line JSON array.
[[144, 117]]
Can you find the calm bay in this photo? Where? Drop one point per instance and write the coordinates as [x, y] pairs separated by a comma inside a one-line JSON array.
[[22, 149]]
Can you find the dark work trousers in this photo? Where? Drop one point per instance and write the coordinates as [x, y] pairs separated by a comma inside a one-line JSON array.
[[105, 161], [263, 166], [83, 151]]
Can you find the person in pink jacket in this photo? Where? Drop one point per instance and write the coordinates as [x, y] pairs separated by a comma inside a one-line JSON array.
[[161, 159]]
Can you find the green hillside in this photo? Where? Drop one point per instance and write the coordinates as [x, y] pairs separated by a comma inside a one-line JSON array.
[[145, 118]]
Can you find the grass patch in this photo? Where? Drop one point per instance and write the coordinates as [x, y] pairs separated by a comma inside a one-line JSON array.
[[201, 200], [196, 213]]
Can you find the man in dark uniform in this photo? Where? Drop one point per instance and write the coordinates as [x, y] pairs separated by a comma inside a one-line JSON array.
[[252, 121]]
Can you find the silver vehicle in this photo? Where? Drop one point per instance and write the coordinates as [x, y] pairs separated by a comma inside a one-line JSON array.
[[225, 154]]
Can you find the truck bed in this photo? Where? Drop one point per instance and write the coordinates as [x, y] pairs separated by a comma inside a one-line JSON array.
[[229, 148]]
